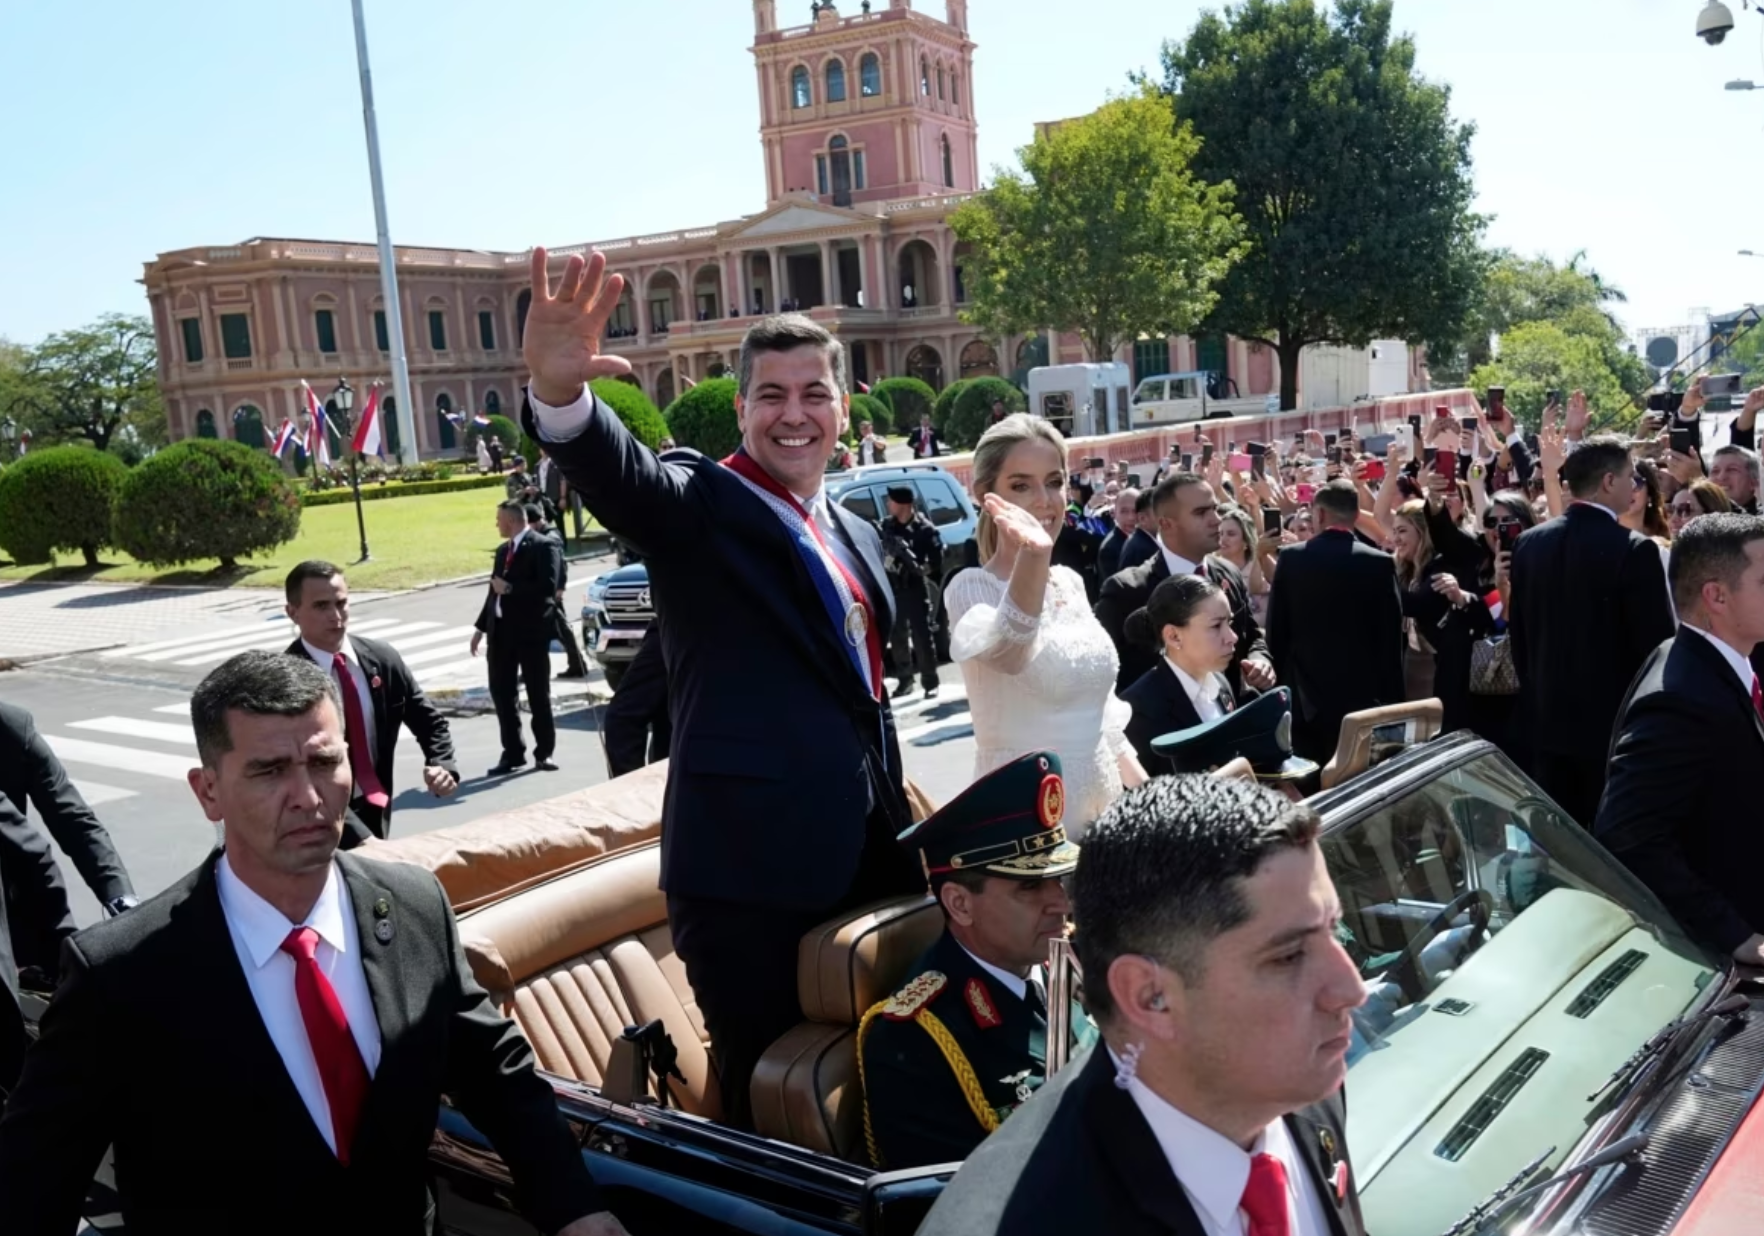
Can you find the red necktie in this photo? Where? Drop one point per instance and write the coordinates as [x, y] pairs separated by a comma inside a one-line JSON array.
[[1757, 697], [361, 760], [339, 1062], [1264, 1198]]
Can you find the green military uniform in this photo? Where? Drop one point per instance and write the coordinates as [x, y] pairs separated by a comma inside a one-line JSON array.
[[951, 1054]]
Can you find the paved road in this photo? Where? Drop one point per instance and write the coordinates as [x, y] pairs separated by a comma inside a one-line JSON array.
[[118, 719]]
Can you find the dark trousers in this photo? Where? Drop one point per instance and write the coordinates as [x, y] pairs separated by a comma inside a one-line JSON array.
[[637, 728], [561, 632], [1576, 783], [912, 609], [742, 961], [512, 660]]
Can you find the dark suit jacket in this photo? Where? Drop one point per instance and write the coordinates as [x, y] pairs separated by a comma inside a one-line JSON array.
[[1335, 629], [1589, 604], [770, 814], [1130, 588], [30, 880], [1678, 807], [1139, 547], [154, 1044], [531, 599], [1160, 706], [1108, 554], [12, 1025], [1079, 1157], [398, 702], [917, 436]]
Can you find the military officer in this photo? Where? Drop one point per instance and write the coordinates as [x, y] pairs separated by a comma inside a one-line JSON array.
[[963, 1044], [914, 550]]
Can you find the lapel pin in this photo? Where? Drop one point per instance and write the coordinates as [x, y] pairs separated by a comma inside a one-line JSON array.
[[382, 908], [1341, 1184], [383, 931], [376, 684]]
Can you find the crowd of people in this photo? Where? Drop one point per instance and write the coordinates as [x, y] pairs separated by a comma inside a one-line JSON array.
[[1591, 603]]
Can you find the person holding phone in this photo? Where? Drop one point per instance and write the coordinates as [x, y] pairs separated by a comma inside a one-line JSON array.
[[1248, 548], [1187, 623], [1441, 618]]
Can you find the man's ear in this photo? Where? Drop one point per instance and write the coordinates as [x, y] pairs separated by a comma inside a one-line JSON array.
[[202, 784], [957, 903], [1147, 996], [740, 413]]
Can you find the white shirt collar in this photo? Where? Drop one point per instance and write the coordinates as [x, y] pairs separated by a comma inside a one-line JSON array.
[[515, 540], [1016, 986], [327, 659], [1178, 565], [262, 927], [1202, 693], [1741, 665]]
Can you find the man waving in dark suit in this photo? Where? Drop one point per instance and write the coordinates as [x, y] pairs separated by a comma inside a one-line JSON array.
[[518, 616], [1206, 927], [775, 599], [298, 1090], [1680, 805], [385, 697]]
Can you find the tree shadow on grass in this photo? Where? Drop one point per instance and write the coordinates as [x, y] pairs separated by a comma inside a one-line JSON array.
[[104, 572]]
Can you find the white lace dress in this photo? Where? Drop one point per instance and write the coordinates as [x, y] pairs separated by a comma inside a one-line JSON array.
[[1042, 683]]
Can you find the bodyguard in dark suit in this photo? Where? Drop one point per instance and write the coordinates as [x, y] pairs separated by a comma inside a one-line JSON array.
[[539, 523], [12, 1024], [385, 690], [298, 1092], [1108, 554], [1589, 604], [977, 999], [517, 618], [38, 915], [1680, 806], [1214, 1087], [1335, 624], [1185, 513], [1142, 545], [775, 603]]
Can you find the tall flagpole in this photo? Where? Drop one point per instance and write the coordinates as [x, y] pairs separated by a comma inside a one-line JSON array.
[[407, 438]]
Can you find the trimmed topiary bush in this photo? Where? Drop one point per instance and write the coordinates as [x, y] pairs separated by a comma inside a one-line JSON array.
[[972, 412], [869, 408], [908, 398], [945, 402], [703, 418], [205, 499], [59, 499], [634, 409]]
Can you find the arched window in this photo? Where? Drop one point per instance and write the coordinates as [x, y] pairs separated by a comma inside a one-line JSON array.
[[924, 77], [205, 424], [248, 426], [835, 82], [447, 434], [940, 81], [839, 154], [955, 89], [948, 165], [492, 404], [870, 76], [800, 95]]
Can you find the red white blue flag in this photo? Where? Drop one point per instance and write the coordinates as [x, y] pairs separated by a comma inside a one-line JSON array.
[[480, 420], [318, 446], [367, 429], [284, 436]]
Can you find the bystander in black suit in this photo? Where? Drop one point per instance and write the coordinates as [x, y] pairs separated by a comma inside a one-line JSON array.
[[1108, 554], [1142, 545], [1679, 806], [1589, 604], [637, 730], [318, 604], [31, 883], [517, 619], [541, 523], [1335, 625], [924, 441]]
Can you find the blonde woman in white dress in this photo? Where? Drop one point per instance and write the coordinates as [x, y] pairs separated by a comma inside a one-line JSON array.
[[1040, 670]]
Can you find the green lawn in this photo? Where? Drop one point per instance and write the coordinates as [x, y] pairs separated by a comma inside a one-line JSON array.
[[414, 541]]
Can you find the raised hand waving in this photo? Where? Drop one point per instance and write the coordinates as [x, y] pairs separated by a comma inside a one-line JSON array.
[[564, 331]]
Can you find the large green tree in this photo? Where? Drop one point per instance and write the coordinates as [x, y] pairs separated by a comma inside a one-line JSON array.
[[1537, 357], [1107, 231], [90, 382], [1349, 169]]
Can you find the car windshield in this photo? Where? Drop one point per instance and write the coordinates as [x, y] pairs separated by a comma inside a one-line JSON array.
[[1511, 966]]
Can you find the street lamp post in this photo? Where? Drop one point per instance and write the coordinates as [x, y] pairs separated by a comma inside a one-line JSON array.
[[344, 397]]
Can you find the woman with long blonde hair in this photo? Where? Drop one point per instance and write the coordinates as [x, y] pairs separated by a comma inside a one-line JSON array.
[[1039, 669], [1443, 618]]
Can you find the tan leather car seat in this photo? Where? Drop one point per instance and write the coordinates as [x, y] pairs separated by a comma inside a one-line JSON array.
[[805, 1088], [578, 958]]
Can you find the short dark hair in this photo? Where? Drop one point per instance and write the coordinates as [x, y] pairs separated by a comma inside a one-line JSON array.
[[264, 684], [1173, 484], [1602, 455], [534, 512], [1172, 603], [1162, 871], [1143, 502], [1711, 549], [312, 568], [513, 504], [1339, 500], [785, 332]]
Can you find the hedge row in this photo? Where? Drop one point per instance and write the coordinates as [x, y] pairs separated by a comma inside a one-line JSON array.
[[401, 489]]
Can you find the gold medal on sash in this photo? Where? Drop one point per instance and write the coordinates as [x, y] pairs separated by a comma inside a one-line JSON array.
[[857, 624]]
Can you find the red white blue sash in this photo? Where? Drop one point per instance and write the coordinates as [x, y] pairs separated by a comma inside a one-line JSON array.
[[848, 606]]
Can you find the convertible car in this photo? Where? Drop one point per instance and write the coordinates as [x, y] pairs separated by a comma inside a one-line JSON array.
[[1543, 1050]]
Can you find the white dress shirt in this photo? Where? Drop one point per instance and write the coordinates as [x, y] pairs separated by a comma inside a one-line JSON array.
[[1203, 694], [358, 675], [1016, 986], [258, 929], [1742, 667], [1213, 1170], [1176, 562], [514, 543]]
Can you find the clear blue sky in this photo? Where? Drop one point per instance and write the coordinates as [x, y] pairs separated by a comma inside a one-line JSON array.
[[135, 128]]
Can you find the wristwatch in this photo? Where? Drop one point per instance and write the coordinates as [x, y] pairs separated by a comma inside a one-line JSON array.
[[116, 907]]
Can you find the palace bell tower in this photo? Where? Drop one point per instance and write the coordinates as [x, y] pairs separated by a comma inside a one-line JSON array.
[[868, 100]]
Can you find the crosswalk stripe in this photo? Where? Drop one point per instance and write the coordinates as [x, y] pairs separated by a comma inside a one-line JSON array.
[[429, 673], [135, 650], [269, 643], [97, 793], [131, 727], [433, 637], [430, 655], [177, 710], [124, 759]]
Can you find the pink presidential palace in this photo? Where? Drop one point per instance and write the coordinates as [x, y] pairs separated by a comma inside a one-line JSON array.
[[868, 132]]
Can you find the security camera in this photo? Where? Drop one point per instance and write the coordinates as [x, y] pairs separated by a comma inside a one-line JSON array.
[[1714, 22]]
